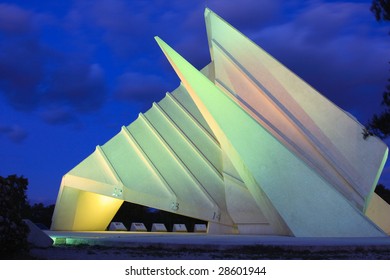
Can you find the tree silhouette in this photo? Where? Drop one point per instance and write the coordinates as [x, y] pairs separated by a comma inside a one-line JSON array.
[[13, 231], [39, 214], [381, 9], [380, 123]]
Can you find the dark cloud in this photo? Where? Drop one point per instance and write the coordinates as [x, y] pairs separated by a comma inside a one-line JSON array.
[[14, 20], [14, 133], [78, 85], [35, 73], [121, 24], [188, 22], [143, 88], [327, 46], [21, 71], [325, 42], [247, 14], [61, 75], [323, 21], [58, 115], [128, 27]]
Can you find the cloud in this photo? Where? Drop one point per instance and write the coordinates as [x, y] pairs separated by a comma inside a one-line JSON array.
[[21, 71], [14, 133], [78, 85], [322, 21], [60, 75], [247, 14], [334, 47], [119, 23], [14, 20], [58, 115], [35, 73], [138, 87], [327, 43], [128, 27]]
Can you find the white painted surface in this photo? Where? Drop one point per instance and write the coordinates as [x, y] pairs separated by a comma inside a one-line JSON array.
[[138, 227], [179, 228], [157, 227], [117, 226]]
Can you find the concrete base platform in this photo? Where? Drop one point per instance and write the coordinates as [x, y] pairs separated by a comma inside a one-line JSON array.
[[193, 246], [132, 239]]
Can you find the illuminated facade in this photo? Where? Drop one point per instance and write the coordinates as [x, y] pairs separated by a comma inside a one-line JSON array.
[[243, 144]]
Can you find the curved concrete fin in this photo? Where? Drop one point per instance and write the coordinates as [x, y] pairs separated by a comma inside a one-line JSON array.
[[182, 99], [308, 204], [140, 180], [94, 168], [195, 131]]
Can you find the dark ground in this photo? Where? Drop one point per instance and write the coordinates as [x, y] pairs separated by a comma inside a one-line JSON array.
[[258, 252]]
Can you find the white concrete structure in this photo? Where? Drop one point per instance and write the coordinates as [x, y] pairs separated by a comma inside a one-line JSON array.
[[117, 226], [157, 227], [243, 144], [200, 228], [138, 227], [179, 228], [378, 210]]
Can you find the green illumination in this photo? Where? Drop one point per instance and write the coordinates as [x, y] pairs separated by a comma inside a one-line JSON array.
[[58, 241]]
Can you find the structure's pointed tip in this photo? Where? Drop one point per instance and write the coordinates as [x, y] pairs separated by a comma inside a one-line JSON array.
[[169, 52], [161, 43], [163, 46], [158, 39], [207, 11]]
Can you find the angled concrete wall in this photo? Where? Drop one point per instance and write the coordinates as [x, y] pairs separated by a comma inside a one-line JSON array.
[[378, 211]]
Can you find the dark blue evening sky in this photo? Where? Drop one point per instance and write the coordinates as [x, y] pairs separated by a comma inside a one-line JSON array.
[[73, 72]]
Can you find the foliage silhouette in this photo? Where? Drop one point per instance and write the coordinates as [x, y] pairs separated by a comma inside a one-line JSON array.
[[380, 123], [13, 231]]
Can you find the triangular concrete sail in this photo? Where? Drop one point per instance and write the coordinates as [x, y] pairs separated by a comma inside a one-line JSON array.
[[243, 144], [305, 201], [325, 137]]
